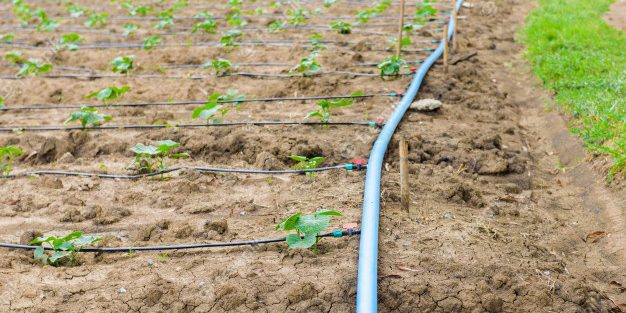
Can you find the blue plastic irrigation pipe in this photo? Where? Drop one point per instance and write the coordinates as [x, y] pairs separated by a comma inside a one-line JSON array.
[[367, 281]]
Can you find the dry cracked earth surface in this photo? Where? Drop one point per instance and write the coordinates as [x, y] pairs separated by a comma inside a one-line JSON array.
[[507, 214]]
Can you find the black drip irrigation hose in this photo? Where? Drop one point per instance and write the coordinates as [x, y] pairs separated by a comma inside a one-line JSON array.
[[173, 33], [335, 234], [258, 42], [347, 167], [139, 45], [190, 102], [186, 29], [136, 18], [198, 125], [201, 77], [256, 64]]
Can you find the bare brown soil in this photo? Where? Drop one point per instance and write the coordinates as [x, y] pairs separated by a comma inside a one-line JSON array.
[[617, 14], [505, 216]]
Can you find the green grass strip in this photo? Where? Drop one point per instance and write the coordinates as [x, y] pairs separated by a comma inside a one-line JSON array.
[[583, 60]]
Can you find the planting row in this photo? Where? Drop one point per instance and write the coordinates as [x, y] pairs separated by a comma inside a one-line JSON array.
[[234, 16]]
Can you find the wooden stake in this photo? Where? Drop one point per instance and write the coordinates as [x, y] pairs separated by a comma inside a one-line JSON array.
[[400, 28], [445, 47], [456, 21], [404, 175]]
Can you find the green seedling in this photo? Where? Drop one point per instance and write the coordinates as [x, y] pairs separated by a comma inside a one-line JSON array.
[[33, 66], [409, 28], [393, 42], [329, 3], [424, 12], [363, 17], [69, 42], [221, 66], [7, 154], [23, 13], [234, 18], [7, 38], [45, 23], [166, 19], [305, 163], [233, 97], [214, 105], [210, 109], [65, 249], [203, 15], [88, 116], [75, 11], [276, 26], [229, 39], [149, 158], [1, 102], [316, 44], [151, 42], [391, 66], [108, 93], [14, 57], [179, 4], [297, 17], [97, 20], [235, 3], [141, 10], [341, 27], [382, 6], [307, 65], [209, 26], [325, 106], [130, 29], [307, 227], [123, 64]]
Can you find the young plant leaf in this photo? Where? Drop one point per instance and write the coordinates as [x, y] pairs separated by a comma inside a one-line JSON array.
[[296, 242], [88, 116], [289, 223]]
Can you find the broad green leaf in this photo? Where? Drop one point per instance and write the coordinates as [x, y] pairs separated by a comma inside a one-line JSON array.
[[317, 160], [314, 114], [312, 224], [163, 147], [40, 255], [327, 212], [296, 242], [56, 256], [298, 158], [39, 240], [142, 149], [63, 245], [289, 223], [85, 241]]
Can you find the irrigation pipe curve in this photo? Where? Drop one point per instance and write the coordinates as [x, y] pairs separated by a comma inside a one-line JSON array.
[[367, 280]]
